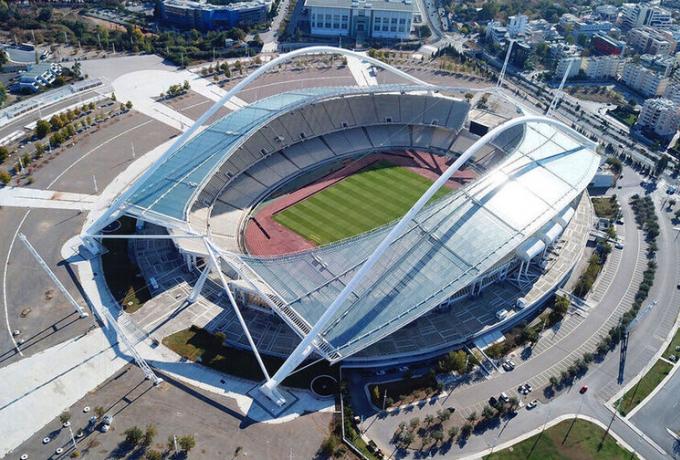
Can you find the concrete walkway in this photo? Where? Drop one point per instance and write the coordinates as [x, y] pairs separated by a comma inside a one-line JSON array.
[[142, 87], [33, 198], [361, 72], [37, 389]]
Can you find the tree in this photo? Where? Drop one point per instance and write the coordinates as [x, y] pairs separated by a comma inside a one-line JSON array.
[[128, 105], [134, 435], [186, 86], [56, 122], [472, 417], [429, 419], [438, 436], [45, 14], [414, 422], [5, 177], [454, 361], [375, 392], [329, 445], [113, 97], [99, 411], [452, 432], [553, 381], [75, 69], [170, 445], [149, 434], [488, 412], [153, 455], [65, 417], [443, 415], [187, 442], [3, 91], [406, 438], [4, 153]]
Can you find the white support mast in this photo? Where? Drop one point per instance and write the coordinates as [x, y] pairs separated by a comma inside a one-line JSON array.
[[501, 76], [307, 345], [148, 372], [560, 93], [55, 279], [214, 264]]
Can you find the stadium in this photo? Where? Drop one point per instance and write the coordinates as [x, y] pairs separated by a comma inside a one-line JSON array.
[[370, 225]]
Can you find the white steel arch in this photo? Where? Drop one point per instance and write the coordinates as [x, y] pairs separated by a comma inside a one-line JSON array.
[[306, 346], [115, 209]]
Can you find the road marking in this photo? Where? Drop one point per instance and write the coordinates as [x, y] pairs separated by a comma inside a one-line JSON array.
[[21, 223]]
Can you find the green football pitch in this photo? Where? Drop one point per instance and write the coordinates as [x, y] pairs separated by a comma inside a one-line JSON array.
[[361, 202]]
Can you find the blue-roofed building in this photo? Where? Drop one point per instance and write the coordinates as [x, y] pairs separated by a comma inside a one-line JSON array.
[[205, 16], [38, 75]]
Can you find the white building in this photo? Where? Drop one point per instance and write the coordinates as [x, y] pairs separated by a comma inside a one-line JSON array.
[[645, 81], [662, 116], [390, 19], [602, 67], [607, 12], [590, 28], [648, 40], [517, 24], [563, 66], [673, 92], [496, 32], [639, 14]]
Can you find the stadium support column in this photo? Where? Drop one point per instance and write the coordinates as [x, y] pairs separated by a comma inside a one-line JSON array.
[[198, 287]]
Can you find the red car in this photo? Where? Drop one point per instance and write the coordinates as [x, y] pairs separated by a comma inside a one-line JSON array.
[[583, 389]]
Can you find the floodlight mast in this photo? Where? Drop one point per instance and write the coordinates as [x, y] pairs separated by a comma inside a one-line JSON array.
[[307, 345], [117, 206]]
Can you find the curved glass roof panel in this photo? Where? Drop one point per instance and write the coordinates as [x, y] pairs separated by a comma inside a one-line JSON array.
[[169, 190], [445, 248]]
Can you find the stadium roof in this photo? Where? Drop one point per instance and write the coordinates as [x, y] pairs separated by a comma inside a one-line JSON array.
[[169, 191], [445, 248]]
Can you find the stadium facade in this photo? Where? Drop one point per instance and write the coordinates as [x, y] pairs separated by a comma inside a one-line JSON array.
[[347, 300]]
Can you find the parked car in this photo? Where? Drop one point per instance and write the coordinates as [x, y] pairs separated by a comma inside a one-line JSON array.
[[106, 423], [91, 423], [532, 404], [504, 397], [583, 389], [493, 402], [380, 372]]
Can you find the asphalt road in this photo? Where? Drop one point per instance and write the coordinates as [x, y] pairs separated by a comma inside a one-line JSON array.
[[23, 285], [660, 414]]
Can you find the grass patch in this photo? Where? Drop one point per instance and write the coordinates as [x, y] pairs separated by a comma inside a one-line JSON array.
[[569, 440], [197, 344], [671, 347], [403, 391], [644, 387], [361, 202], [625, 114], [606, 207], [122, 275]]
